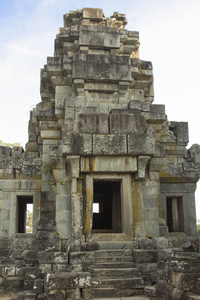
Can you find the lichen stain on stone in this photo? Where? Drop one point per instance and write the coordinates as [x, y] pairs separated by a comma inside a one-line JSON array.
[[88, 210], [137, 205]]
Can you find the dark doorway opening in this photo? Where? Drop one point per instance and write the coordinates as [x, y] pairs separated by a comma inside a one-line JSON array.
[[107, 206], [175, 214], [25, 213]]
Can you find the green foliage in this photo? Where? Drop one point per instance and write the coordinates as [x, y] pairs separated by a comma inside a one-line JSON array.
[[53, 186], [50, 103], [46, 168], [198, 225], [29, 222], [10, 144], [64, 181]]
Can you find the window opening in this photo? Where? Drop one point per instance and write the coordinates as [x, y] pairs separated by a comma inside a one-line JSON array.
[[96, 208], [172, 131], [175, 214], [25, 214]]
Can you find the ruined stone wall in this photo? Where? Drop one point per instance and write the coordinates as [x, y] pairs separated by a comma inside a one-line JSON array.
[[95, 123]]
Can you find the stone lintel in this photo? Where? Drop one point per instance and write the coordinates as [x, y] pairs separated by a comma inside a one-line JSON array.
[[122, 164]]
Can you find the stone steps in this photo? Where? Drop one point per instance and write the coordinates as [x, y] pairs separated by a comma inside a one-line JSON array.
[[122, 283], [111, 265], [114, 274], [107, 293], [117, 259], [193, 297], [113, 252], [107, 245]]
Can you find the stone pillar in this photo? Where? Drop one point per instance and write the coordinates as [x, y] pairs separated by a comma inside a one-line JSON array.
[[76, 232], [89, 205]]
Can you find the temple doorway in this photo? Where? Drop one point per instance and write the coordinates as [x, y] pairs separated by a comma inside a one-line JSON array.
[[107, 206]]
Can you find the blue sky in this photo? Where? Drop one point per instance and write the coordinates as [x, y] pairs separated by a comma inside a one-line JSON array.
[[169, 36]]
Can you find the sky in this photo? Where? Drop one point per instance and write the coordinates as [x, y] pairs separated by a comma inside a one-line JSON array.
[[169, 37]]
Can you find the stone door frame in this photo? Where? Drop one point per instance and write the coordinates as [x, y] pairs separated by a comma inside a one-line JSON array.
[[126, 201]]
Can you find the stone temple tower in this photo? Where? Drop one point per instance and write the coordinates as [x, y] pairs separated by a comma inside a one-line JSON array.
[[104, 171]]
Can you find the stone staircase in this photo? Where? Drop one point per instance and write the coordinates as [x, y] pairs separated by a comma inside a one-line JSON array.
[[112, 271], [114, 274]]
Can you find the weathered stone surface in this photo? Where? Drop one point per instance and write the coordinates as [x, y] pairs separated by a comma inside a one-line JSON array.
[[45, 111], [157, 113], [57, 295], [99, 37], [93, 13], [79, 257], [141, 144], [106, 67], [161, 242], [90, 246], [145, 256], [180, 130], [92, 123], [63, 281], [109, 164], [75, 143], [125, 123], [110, 144]]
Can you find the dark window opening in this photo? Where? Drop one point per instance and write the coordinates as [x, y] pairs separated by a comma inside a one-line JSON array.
[[25, 214], [107, 206], [172, 130], [175, 214]]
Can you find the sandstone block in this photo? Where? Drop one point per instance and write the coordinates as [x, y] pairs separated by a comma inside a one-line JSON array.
[[32, 147], [92, 123], [75, 143], [79, 257], [111, 144], [93, 13], [141, 144], [180, 131], [95, 67], [101, 37], [157, 113], [84, 279], [54, 65], [164, 254], [135, 104], [50, 134], [63, 281], [125, 123], [5, 151], [145, 256], [161, 242], [45, 111], [57, 295]]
